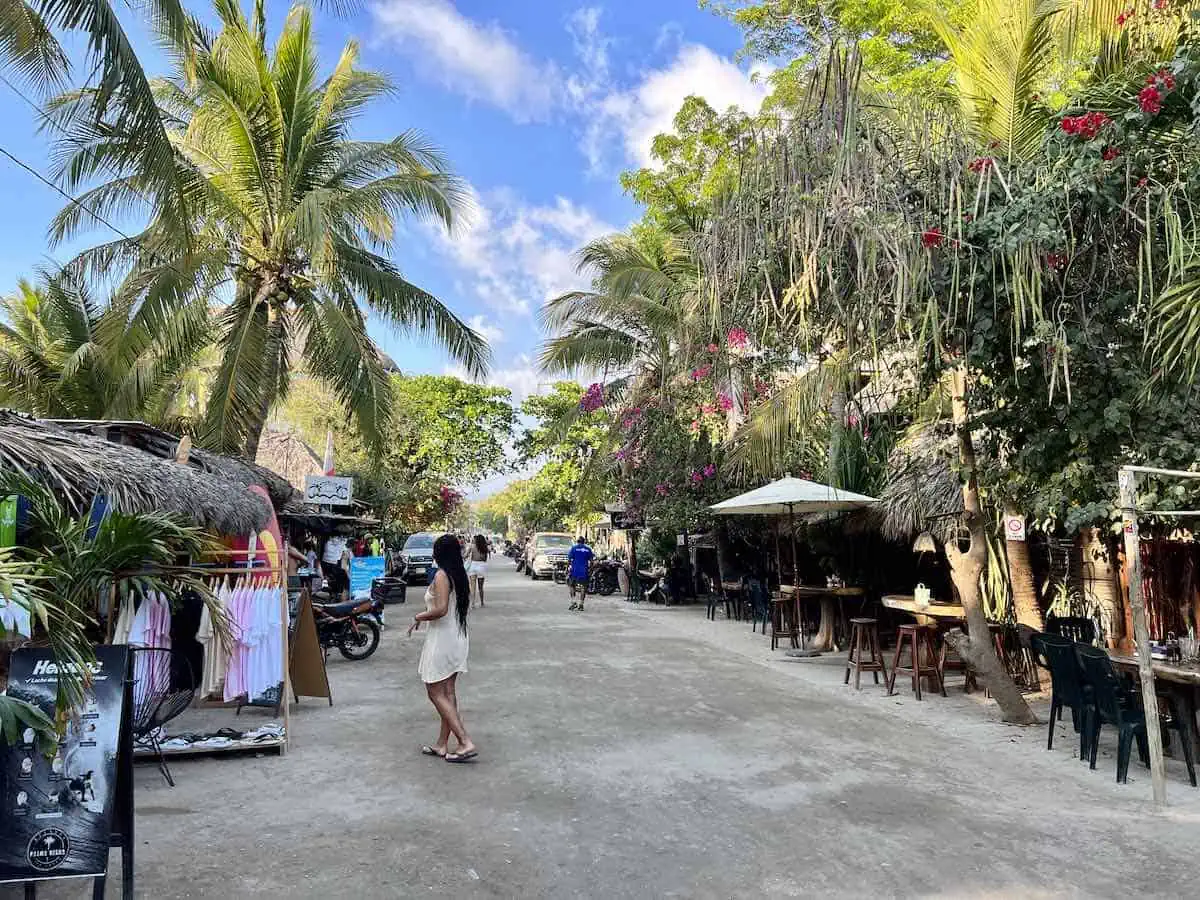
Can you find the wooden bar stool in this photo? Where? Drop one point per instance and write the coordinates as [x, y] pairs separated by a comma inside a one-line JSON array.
[[864, 639], [783, 622], [922, 640]]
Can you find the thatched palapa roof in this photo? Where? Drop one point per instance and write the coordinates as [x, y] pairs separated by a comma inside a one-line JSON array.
[[923, 492], [80, 465], [165, 445]]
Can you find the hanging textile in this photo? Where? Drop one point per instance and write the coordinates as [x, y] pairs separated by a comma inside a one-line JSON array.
[[212, 679]]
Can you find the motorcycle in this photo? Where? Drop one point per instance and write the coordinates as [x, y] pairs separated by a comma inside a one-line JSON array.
[[603, 580], [352, 626], [560, 571]]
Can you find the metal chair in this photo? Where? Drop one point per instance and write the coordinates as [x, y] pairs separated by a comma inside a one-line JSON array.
[[163, 687]]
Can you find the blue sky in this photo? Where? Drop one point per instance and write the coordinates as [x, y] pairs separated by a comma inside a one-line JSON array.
[[538, 105]]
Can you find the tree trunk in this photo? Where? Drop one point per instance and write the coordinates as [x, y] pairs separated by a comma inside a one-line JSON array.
[[1020, 576], [976, 648], [276, 353], [837, 437], [1100, 590]]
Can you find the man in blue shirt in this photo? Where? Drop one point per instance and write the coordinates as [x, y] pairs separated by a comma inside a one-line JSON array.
[[579, 561]]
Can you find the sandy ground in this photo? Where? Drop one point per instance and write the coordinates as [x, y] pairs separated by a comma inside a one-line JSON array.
[[633, 752]]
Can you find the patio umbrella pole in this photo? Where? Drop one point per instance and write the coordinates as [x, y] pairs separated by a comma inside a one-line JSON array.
[[795, 572]]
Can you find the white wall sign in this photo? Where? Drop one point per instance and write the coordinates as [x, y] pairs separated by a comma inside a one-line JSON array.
[[328, 490], [1014, 528]]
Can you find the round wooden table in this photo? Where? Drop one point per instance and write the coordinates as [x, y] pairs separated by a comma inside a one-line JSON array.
[[829, 597]]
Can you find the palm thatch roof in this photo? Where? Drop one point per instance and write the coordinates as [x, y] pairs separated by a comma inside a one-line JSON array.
[[284, 451], [165, 445], [922, 492], [80, 465]]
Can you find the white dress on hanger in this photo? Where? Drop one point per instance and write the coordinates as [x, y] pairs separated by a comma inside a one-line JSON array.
[[446, 645]]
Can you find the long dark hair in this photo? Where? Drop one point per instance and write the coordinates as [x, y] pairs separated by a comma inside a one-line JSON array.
[[481, 546], [447, 553]]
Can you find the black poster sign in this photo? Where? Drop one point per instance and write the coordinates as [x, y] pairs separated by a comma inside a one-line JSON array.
[[56, 811], [628, 520]]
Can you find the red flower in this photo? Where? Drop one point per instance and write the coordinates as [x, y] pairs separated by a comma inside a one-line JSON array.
[[1056, 260], [1142, 182], [931, 238], [696, 477], [1161, 4], [982, 164], [1087, 126], [708, 409], [1110, 153], [701, 372], [662, 488], [593, 398], [1150, 100], [737, 337], [710, 470], [1124, 17], [724, 401], [712, 348]]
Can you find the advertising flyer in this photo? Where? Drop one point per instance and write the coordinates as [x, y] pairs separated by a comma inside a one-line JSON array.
[[56, 810]]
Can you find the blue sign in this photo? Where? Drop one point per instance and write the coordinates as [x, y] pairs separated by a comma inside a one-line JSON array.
[[364, 570]]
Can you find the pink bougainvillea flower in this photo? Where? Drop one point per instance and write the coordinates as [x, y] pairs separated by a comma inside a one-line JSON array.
[[981, 164], [713, 348], [593, 398], [1142, 182], [696, 477], [1056, 260], [1086, 126], [724, 401], [702, 372], [932, 237], [852, 420], [710, 470], [1150, 100], [694, 428], [1161, 4], [708, 409], [760, 387], [737, 337], [621, 455], [662, 489], [1110, 153], [1124, 17]]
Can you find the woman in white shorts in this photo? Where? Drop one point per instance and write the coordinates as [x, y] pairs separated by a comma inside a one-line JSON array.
[[477, 565]]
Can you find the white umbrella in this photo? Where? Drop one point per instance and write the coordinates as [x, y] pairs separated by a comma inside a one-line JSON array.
[[788, 496]]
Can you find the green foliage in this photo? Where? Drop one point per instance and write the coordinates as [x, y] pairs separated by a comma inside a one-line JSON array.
[[444, 431], [283, 201]]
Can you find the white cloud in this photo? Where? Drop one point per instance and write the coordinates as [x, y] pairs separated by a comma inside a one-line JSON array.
[[521, 375], [514, 255], [492, 334], [648, 109], [479, 60]]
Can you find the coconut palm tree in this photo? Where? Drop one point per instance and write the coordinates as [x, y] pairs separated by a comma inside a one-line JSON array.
[[286, 207], [64, 353]]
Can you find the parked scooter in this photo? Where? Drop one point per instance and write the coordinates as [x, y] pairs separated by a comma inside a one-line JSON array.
[[604, 577], [352, 626]]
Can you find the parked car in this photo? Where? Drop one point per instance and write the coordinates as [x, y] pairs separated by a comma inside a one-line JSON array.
[[418, 557], [544, 550]]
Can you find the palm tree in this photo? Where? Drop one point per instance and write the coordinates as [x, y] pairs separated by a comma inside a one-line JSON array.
[[287, 206], [66, 354]]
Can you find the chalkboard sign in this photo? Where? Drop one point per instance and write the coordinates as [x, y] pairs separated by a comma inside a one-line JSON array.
[[57, 810], [628, 520]]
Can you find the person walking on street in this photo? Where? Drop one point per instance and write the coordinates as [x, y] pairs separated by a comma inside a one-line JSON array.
[[444, 656], [579, 562], [477, 557]]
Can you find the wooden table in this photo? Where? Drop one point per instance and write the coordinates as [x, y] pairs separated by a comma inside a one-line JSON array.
[[1179, 680], [927, 614], [829, 597]]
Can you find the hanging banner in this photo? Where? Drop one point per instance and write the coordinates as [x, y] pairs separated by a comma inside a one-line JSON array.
[[56, 810], [328, 490], [1014, 528]]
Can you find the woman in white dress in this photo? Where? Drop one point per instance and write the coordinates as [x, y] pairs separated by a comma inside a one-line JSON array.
[[444, 655], [477, 558]]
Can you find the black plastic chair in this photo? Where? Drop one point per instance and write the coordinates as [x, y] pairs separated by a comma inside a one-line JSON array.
[[1068, 688], [1078, 629], [163, 687], [1112, 704], [755, 591]]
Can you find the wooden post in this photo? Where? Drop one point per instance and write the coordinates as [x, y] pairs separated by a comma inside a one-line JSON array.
[[1127, 480]]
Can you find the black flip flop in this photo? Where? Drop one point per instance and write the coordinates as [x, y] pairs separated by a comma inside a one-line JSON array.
[[461, 757], [429, 751]]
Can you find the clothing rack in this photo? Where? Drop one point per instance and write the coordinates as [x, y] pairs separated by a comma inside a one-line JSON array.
[[276, 576]]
